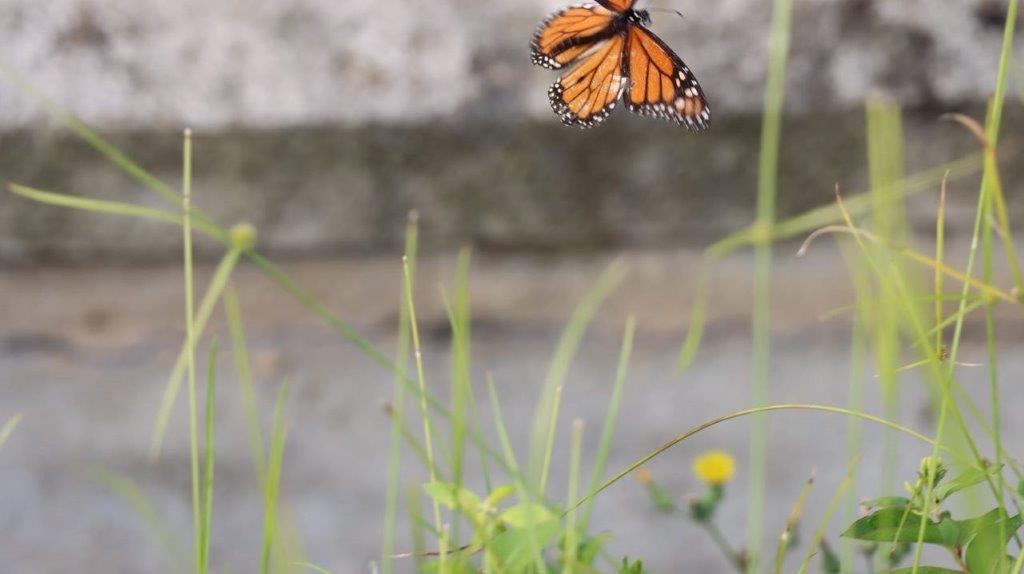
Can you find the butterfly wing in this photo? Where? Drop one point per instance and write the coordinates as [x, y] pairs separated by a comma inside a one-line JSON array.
[[660, 84], [588, 93], [567, 35], [618, 5]]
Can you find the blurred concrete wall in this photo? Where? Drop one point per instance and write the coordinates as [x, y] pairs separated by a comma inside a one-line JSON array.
[[325, 121], [270, 63]]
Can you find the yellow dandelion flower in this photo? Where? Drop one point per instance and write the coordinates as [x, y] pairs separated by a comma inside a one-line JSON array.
[[715, 467]]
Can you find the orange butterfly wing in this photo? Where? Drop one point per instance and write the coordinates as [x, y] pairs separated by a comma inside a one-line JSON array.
[[660, 84], [588, 93], [568, 34]]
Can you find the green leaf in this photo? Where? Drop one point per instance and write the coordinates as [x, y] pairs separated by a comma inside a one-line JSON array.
[[986, 538], [965, 479], [442, 492], [445, 493], [926, 570], [886, 502], [513, 549], [971, 527], [527, 515], [590, 548], [499, 494], [628, 567], [884, 526]]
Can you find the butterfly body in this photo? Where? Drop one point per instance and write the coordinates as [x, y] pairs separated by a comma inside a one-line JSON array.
[[614, 56]]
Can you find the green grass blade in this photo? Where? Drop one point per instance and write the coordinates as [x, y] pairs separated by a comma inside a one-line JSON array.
[[8, 428], [190, 351], [510, 460], [546, 413], [172, 549], [859, 358], [991, 193], [240, 350], [273, 480], [398, 402], [105, 148], [885, 167], [785, 539], [856, 204], [759, 410], [767, 184], [417, 525], [210, 451], [612, 416], [310, 566], [93, 205], [428, 432], [819, 534], [569, 551], [206, 307], [695, 331]]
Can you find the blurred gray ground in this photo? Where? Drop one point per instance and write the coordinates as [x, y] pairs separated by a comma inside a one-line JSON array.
[[85, 355]]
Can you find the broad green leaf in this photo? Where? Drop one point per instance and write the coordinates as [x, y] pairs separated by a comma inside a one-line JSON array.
[[513, 547], [926, 570], [973, 526], [499, 494], [986, 538], [446, 494], [442, 492], [469, 502], [965, 479], [526, 515], [884, 526]]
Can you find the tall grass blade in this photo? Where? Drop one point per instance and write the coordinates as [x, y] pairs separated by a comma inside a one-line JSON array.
[[510, 460], [428, 432], [240, 350], [760, 410], [767, 188], [885, 167], [273, 480], [546, 413], [173, 551], [398, 402], [213, 293], [789, 532], [819, 534], [190, 351], [210, 451], [695, 332], [569, 551], [861, 279], [612, 416]]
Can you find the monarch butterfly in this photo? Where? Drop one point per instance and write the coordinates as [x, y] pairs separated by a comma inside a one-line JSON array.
[[613, 50]]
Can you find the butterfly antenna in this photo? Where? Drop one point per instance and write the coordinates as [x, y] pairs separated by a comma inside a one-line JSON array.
[[667, 10]]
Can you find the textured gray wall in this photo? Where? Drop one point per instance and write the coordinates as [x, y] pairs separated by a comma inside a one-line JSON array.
[[325, 121], [220, 63]]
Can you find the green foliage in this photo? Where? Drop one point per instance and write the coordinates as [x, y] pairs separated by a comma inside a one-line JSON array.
[[628, 567], [980, 541]]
